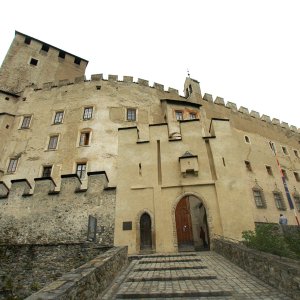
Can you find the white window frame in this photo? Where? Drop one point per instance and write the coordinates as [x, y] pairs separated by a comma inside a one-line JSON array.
[[50, 142], [12, 165], [58, 117], [81, 172], [131, 114], [88, 112], [26, 124]]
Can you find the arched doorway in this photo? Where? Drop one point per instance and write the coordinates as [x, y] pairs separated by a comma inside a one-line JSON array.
[[191, 224], [145, 232]]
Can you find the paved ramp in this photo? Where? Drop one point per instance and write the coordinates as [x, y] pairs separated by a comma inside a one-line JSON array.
[[195, 275]]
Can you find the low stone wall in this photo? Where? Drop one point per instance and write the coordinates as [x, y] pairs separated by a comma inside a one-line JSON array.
[[89, 280], [24, 269], [279, 272]]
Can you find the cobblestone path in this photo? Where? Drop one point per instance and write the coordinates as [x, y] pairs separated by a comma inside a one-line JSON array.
[[193, 275]]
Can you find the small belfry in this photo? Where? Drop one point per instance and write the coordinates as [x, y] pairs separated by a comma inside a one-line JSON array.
[[154, 170]]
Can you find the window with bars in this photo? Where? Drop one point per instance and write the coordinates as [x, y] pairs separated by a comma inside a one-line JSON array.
[[193, 116], [179, 115], [53, 142], [47, 171], [12, 166], [279, 202], [84, 138], [26, 122], [87, 113], [297, 201], [259, 198], [81, 170], [131, 114], [58, 118]]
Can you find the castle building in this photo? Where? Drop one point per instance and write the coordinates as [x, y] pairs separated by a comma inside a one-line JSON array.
[[155, 170]]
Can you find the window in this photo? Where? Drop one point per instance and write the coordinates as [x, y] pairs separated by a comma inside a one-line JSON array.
[[47, 171], [87, 113], [190, 88], [12, 166], [45, 47], [259, 198], [58, 118], [284, 150], [179, 115], [193, 116], [297, 201], [34, 61], [279, 202], [131, 114], [53, 142], [61, 54], [248, 165], [297, 177], [269, 170], [285, 174], [26, 122], [81, 170], [27, 40], [296, 153], [247, 140], [272, 146], [77, 60], [84, 138]]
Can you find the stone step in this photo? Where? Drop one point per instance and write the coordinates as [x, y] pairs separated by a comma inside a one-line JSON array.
[[170, 278], [168, 259], [131, 257], [166, 267]]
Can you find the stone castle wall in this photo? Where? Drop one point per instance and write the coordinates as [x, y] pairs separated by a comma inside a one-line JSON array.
[[49, 215]]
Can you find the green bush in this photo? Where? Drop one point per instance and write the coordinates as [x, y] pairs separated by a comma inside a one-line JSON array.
[[267, 238]]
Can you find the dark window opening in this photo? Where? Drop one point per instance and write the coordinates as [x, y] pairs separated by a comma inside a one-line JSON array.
[[247, 140], [7, 126], [77, 60], [27, 40], [190, 88], [297, 176], [269, 170], [81, 170], [47, 171], [179, 115], [6, 98], [223, 159], [45, 47], [284, 150], [34, 62], [296, 153], [248, 165], [62, 54], [98, 87]]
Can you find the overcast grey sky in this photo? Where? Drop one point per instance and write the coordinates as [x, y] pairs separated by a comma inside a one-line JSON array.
[[247, 52]]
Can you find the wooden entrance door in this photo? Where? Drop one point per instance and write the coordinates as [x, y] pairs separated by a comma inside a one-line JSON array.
[[184, 223], [145, 232]]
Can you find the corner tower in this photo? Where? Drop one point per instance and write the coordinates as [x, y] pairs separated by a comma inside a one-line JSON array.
[[30, 61]]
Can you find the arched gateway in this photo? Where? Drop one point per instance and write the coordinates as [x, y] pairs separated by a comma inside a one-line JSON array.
[[191, 224]]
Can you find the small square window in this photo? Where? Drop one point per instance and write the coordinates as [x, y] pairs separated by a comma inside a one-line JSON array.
[[84, 138], [131, 114], [81, 170], [193, 116], [87, 113], [297, 176], [34, 62], [179, 115], [27, 40], [247, 140], [279, 202], [62, 54], [47, 171], [269, 170], [285, 151], [12, 166], [26, 122], [284, 173], [77, 60], [53, 142], [248, 165], [45, 47], [58, 118], [296, 153]]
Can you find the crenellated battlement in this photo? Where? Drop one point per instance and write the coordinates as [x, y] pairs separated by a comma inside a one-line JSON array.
[[244, 110], [70, 184]]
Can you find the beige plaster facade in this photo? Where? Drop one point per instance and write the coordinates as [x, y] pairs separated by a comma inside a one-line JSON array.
[[163, 151]]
